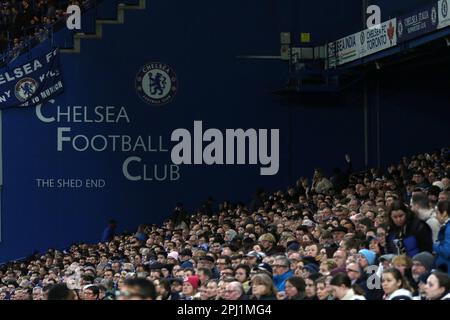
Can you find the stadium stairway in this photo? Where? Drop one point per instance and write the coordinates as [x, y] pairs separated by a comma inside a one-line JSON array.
[[107, 12]]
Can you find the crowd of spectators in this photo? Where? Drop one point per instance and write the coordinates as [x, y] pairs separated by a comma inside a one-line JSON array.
[[369, 235], [26, 23]]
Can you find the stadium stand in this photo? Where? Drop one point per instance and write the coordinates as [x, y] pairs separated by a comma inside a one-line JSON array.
[[352, 236]]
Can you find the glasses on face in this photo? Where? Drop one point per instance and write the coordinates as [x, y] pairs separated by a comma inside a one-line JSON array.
[[279, 266], [351, 270], [229, 291]]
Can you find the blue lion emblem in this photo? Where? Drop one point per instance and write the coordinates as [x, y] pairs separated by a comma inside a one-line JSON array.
[[27, 89], [158, 83]]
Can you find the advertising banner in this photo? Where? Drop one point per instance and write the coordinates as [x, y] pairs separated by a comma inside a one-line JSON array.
[[31, 83], [417, 23]]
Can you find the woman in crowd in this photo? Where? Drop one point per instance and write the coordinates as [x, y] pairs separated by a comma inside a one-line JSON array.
[[263, 287], [438, 286], [310, 290], [323, 289], [407, 234], [163, 289], [295, 288], [190, 287], [341, 286], [395, 286], [403, 263]]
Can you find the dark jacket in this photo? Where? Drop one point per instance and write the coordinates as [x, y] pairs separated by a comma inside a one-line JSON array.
[[414, 237], [265, 298]]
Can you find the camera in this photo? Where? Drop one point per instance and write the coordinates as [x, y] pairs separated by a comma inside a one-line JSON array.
[[398, 243]]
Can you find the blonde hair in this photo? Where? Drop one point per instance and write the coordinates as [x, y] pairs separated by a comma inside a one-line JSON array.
[[403, 260]]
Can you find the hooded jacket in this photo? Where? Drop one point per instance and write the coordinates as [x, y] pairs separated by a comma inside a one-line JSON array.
[[350, 295], [400, 294]]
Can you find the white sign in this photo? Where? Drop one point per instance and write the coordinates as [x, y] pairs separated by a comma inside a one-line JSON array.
[[362, 44], [344, 50], [377, 39], [444, 14]]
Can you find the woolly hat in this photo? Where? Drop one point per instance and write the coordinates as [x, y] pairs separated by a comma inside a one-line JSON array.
[[193, 280], [425, 258], [369, 255]]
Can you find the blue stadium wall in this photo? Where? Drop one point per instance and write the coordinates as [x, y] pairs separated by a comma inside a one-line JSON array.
[[200, 40]]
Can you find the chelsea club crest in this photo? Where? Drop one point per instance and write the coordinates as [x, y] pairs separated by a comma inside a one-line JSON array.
[[156, 83], [25, 88]]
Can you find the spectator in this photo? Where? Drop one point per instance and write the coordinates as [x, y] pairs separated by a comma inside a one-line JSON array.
[[407, 234], [421, 207], [91, 292], [342, 288], [282, 272], [234, 291], [395, 286], [263, 287], [422, 264], [190, 286], [442, 246], [211, 289], [438, 286], [60, 291], [242, 275], [295, 288], [322, 288], [137, 289]]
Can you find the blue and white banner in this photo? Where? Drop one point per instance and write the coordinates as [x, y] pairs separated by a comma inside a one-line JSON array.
[[417, 23], [443, 13], [31, 83]]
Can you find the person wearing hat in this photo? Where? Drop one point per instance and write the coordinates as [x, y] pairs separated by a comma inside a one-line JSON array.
[[366, 258], [172, 258], [309, 269], [422, 263], [190, 286], [263, 268], [268, 244], [185, 258], [253, 258], [339, 234], [208, 263]]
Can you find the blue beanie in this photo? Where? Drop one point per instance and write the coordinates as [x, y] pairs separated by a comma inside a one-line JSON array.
[[369, 255]]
